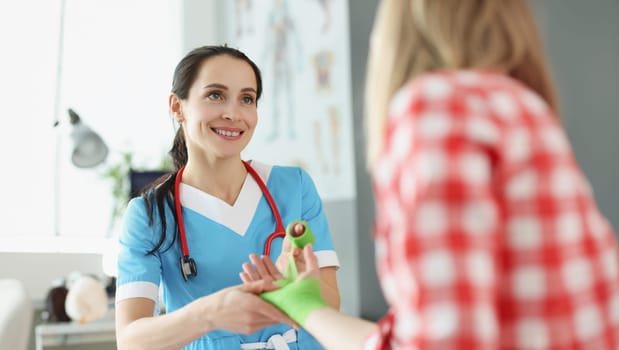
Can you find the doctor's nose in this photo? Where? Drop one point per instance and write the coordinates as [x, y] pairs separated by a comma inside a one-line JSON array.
[[230, 113]]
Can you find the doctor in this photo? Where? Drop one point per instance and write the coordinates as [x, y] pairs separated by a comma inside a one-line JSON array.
[[191, 232]]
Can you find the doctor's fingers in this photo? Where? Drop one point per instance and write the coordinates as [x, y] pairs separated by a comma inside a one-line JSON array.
[[311, 263]]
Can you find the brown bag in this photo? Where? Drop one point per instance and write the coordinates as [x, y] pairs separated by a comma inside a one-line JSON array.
[[54, 304]]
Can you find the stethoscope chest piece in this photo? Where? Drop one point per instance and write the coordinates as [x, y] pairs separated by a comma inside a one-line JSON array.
[[188, 267]]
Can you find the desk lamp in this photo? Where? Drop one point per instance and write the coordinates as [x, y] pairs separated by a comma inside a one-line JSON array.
[[89, 150]]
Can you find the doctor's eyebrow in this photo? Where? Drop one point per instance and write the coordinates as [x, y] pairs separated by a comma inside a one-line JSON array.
[[224, 87]]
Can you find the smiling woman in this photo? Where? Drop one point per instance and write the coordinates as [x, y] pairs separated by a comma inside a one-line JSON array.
[[220, 208], [110, 70]]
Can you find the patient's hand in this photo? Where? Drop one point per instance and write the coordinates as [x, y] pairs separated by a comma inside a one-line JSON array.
[[263, 269], [256, 313], [297, 296], [260, 268], [289, 250]]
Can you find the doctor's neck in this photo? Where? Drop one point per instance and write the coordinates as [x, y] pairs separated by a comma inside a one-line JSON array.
[[222, 179]]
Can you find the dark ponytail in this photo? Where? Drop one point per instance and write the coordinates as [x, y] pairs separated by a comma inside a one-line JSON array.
[[179, 150]]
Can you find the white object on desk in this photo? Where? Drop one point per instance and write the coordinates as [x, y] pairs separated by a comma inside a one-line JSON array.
[[72, 333], [15, 315], [86, 300]]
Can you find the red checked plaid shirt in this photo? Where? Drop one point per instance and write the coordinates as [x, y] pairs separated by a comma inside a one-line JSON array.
[[487, 233]]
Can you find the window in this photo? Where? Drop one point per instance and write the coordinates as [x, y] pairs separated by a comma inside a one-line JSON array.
[[116, 70]]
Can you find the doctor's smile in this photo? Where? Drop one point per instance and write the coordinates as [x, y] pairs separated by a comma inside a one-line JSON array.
[[228, 133]]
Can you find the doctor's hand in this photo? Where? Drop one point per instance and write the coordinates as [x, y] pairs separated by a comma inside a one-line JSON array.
[[239, 308], [288, 249]]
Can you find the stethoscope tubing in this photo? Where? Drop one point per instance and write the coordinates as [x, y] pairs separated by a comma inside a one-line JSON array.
[[279, 226]]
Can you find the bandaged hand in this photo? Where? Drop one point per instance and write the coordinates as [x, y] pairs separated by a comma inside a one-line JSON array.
[[256, 314], [301, 296]]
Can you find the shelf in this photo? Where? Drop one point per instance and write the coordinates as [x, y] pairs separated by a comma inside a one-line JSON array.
[[72, 333]]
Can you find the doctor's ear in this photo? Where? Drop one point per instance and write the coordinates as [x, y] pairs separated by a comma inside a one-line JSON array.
[[174, 103]]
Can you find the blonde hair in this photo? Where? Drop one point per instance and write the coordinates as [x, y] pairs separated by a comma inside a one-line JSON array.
[[411, 37]]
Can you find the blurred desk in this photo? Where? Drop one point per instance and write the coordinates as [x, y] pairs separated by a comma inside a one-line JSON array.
[[70, 333]]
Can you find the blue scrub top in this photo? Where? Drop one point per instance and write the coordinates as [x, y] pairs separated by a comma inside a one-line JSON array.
[[220, 238]]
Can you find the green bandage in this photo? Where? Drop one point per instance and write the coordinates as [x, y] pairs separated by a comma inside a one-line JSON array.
[[297, 299], [301, 241]]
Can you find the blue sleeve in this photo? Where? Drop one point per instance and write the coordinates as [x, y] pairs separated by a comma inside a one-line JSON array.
[[136, 240]]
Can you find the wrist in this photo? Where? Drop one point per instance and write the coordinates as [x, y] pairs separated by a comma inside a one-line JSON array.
[[297, 299], [204, 314]]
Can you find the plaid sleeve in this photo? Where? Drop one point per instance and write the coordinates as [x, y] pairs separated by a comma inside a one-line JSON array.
[[438, 220], [487, 234]]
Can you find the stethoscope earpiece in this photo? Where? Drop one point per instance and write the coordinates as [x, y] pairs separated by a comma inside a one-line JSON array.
[[188, 267]]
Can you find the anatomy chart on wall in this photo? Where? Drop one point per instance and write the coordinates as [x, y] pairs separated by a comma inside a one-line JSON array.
[[305, 113]]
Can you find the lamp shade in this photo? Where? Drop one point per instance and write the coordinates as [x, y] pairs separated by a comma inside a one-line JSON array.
[[89, 150]]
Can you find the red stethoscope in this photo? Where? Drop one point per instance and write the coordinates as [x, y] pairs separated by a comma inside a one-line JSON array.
[[187, 264]]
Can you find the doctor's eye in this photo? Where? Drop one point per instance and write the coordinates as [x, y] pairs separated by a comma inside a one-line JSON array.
[[249, 100], [214, 95]]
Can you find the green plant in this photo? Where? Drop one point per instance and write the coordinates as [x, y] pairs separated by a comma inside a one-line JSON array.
[[118, 175]]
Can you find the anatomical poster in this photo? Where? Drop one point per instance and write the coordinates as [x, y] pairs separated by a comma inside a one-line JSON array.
[[305, 112]]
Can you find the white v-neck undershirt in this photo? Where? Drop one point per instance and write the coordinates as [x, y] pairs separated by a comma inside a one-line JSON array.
[[238, 216]]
